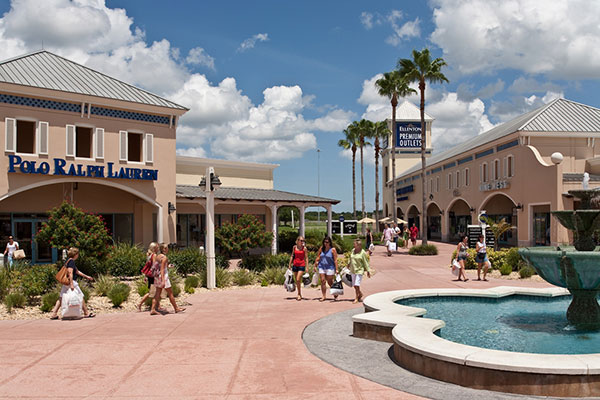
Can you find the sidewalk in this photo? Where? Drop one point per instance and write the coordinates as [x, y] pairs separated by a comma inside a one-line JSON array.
[[233, 344]]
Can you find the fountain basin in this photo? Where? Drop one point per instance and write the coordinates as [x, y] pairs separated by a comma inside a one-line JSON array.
[[417, 348]]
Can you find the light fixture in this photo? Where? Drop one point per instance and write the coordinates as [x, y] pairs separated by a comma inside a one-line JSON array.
[[441, 212], [472, 209], [171, 207], [519, 206], [215, 182]]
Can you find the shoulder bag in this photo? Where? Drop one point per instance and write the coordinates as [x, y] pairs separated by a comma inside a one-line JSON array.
[[62, 276]]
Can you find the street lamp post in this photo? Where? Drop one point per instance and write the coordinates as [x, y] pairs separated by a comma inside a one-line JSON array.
[[210, 183], [319, 182]]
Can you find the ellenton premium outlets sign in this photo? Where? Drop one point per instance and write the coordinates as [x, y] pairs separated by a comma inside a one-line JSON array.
[[59, 166], [408, 134]]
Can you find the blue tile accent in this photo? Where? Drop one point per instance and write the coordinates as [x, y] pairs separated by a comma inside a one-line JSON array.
[[39, 103], [450, 165], [109, 112], [507, 145], [484, 153], [464, 160], [435, 170], [414, 178]]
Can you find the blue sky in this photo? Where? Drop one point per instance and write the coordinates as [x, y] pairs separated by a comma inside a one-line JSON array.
[[272, 81]]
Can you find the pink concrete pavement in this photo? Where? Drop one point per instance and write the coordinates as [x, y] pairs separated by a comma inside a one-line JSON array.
[[234, 344]]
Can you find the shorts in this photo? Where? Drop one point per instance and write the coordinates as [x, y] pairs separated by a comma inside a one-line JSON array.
[[296, 269], [462, 257], [327, 271], [150, 281], [481, 257], [356, 279]]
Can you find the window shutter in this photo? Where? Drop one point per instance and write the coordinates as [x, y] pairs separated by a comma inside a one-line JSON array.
[[122, 145], [43, 138], [71, 140], [10, 125], [480, 173], [148, 141], [512, 166], [99, 143]]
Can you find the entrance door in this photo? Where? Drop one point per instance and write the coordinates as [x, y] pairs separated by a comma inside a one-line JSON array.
[[24, 231], [541, 229]]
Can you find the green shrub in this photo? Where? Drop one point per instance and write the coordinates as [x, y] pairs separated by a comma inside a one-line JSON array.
[[49, 300], [141, 287], [119, 293], [103, 284], [496, 257], [252, 263], [423, 250], [526, 272], [188, 260], [248, 232], [148, 302], [343, 245], [272, 276], [89, 266], [190, 290], [15, 299], [125, 260], [5, 283], [191, 282], [221, 261], [377, 236], [222, 277], [85, 289], [243, 277], [513, 258], [314, 239], [37, 280], [259, 263], [505, 269], [175, 283]]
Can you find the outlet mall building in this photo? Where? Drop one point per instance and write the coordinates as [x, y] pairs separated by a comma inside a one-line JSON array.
[[72, 133], [507, 171]]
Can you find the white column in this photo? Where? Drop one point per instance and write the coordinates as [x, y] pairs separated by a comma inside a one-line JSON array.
[[329, 220], [274, 230], [302, 209], [159, 224], [210, 234]]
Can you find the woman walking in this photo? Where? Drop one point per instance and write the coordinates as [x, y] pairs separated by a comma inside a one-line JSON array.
[[11, 247], [359, 264], [299, 260], [481, 257], [369, 241], [150, 257], [327, 265], [405, 236], [461, 256], [72, 270], [162, 280]]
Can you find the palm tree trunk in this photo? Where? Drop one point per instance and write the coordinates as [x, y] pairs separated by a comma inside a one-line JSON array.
[[423, 147], [394, 104], [376, 227], [362, 182], [354, 182]]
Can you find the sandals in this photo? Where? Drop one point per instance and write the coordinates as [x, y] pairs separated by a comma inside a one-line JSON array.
[[322, 299], [299, 298], [90, 315], [179, 310], [54, 317]]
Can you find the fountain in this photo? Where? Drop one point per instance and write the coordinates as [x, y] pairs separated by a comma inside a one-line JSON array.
[[576, 270]]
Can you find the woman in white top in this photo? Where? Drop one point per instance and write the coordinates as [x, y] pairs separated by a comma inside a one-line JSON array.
[[481, 258], [11, 247]]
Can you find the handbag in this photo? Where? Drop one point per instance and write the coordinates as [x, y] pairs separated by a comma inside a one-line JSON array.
[[337, 288], [147, 268], [62, 276], [18, 254]]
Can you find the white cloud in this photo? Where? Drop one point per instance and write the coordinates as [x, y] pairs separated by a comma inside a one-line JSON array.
[[401, 32], [507, 110], [198, 56], [408, 30], [366, 18], [251, 41], [192, 152], [555, 37], [368, 160], [531, 85]]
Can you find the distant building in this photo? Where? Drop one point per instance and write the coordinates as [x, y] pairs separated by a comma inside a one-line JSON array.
[[508, 172]]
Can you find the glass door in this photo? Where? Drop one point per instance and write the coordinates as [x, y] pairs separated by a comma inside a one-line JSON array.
[[24, 231]]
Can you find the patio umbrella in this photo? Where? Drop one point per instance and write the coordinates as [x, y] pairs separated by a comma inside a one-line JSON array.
[[384, 220], [366, 220]]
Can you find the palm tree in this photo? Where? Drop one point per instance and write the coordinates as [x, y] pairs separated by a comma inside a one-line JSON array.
[[498, 228], [379, 131], [350, 143], [421, 69], [393, 85], [363, 129]]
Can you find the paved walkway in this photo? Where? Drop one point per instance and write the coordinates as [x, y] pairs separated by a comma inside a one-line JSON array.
[[234, 344]]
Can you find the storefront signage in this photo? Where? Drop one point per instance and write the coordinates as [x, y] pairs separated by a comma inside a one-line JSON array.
[[494, 185], [59, 166], [405, 189], [408, 134]]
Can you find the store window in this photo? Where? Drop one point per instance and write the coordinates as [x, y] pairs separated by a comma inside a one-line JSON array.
[[496, 170], [484, 172], [134, 146], [119, 227], [83, 142], [457, 179], [25, 137], [437, 184], [467, 177], [510, 166]]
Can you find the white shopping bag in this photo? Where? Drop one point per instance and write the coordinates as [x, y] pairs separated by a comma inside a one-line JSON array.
[[289, 284], [346, 276], [392, 246], [337, 289], [71, 304], [455, 268]]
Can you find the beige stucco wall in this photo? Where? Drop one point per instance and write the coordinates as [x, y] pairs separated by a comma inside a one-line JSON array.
[[142, 197], [231, 173], [537, 184]]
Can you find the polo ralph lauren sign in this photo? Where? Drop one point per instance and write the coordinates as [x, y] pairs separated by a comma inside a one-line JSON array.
[[59, 166]]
